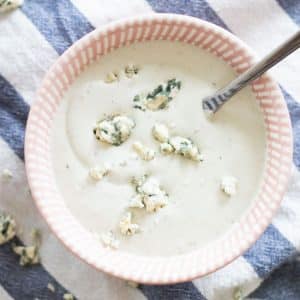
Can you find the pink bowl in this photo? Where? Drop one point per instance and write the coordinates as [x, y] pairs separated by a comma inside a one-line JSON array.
[[156, 270]]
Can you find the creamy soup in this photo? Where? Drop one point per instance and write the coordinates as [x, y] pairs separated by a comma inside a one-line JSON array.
[[198, 211]]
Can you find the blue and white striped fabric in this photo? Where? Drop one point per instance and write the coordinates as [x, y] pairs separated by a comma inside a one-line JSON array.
[[31, 38]]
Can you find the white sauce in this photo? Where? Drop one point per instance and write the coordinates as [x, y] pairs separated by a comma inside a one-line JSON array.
[[198, 212]]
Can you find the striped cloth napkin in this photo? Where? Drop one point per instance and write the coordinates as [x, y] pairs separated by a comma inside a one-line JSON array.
[[31, 38]]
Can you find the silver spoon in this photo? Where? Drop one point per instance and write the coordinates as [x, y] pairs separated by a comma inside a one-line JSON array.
[[213, 103]]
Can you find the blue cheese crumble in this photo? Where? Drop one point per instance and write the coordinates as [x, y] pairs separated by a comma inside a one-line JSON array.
[[166, 148], [7, 228], [98, 172], [131, 70], [51, 287], [111, 77], [114, 130], [186, 148], [149, 194], [68, 296], [136, 202], [7, 174], [109, 240], [238, 294], [159, 98], [144, 152], [126, 225], [28, 255], [132, 284], [160, 132], [229, 185], [7, 5], [177, 144]]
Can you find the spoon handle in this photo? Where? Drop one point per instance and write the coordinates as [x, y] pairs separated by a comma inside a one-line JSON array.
[[212, 103]]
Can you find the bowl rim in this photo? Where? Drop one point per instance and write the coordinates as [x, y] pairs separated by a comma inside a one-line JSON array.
[[164, 274]]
